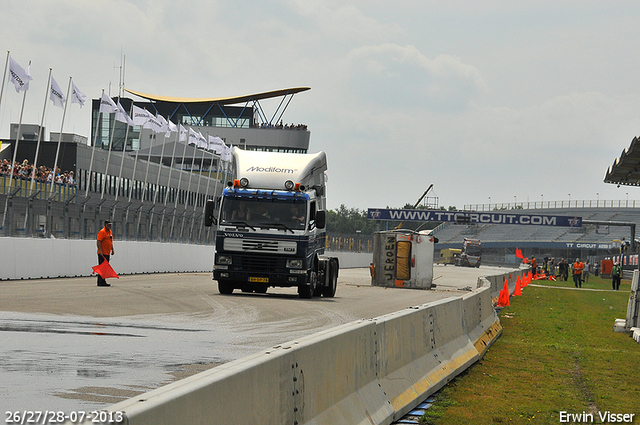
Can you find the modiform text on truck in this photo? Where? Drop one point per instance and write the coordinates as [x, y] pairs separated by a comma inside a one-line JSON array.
[[271, 225]]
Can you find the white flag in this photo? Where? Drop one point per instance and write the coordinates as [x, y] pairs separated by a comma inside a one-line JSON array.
[[77, 96], [216, 144], [107, 105], [184, 134], [56, 95], [193, 137], [202, 142], [226, 155], [122, 116], [164, 127], [19, 77], [153, 124], [141, 116], [171, 127]]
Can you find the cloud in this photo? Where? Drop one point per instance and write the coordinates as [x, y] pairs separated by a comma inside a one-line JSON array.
[[392, 75]]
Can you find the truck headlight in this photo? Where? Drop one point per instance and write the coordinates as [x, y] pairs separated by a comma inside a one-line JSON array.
[[294, 264], [224, 259]]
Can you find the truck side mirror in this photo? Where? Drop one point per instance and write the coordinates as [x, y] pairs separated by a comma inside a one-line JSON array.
[[321, 219], [209, 213]]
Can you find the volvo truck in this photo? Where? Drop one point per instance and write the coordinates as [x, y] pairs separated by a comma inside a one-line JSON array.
[[271, 225]]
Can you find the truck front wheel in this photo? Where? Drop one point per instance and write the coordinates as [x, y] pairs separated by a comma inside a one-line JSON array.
[[225, 288], [332, 280], [307, 291]]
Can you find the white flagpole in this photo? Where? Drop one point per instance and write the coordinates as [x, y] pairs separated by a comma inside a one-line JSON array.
[[199, 177], [155, 195], [15, 152], [166, 198], [135, 164], [35, 160], [173, 155], [186, 204], [206, 194], [93, 151], [106, 167], [195, 202], [195, 152], [184, 151], [4, 74], [64, 112], [144, 188], [124, 147]]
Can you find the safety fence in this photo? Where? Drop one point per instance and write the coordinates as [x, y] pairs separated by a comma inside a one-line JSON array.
[[578, 203], [354, 243], [36, 189]]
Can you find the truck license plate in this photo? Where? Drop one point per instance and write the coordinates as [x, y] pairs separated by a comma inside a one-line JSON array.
[[259, 279]]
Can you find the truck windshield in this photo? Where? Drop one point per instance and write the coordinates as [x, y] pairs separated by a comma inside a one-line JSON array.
[[475, 250], [264, 214]]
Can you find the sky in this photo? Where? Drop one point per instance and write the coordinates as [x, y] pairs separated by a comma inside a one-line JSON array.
[[488, 101]]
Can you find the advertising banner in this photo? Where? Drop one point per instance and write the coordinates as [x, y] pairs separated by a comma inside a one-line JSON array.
[[473, 217]]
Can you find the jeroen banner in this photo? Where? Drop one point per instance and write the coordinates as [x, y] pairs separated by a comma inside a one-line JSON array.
[[473, 217]]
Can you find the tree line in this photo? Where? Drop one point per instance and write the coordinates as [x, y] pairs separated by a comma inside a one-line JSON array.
[[353, 221]]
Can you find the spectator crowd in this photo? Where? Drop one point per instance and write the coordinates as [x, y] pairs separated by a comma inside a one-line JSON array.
[[282, 126], [44, 174]]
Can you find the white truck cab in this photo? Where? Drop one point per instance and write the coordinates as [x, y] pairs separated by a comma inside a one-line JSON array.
[[271, 225]]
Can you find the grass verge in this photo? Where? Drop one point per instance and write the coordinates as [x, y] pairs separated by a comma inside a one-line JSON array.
[[557, 353]]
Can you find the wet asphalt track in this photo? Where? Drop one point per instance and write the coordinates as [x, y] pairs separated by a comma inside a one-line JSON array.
[[68, 345]]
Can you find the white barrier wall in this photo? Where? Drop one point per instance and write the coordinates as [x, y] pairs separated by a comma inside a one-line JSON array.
[[34, 258], [351, 260], [365, 372]]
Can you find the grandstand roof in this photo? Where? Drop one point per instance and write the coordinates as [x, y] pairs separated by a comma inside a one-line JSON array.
[[626, 169], [222, 100]]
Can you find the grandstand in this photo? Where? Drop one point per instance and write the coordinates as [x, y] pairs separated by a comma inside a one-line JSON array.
[[593, 241], [152, 187]]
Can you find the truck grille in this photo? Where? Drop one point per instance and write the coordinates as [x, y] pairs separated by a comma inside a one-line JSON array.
[[252, 263], [260, 245]]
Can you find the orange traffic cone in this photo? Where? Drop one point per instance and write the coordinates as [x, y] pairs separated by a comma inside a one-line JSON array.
[[503, 299], [518, 290]]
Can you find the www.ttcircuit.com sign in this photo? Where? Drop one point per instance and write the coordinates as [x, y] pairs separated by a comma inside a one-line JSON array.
[[473, 217]]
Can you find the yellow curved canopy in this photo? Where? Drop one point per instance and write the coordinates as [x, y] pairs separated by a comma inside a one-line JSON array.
[[221, 100]]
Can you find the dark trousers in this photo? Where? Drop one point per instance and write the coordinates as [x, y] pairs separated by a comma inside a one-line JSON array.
[[615, 282], [577, 280], [101, 258]]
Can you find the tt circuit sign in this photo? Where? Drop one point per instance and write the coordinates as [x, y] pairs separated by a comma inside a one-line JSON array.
[[473, 217]]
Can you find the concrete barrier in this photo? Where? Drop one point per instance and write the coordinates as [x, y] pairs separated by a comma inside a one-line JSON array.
[[351, 260], [35, 258], [421, 350], [365, 372]]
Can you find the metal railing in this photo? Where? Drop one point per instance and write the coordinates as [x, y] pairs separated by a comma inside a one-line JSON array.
[[62, 212], [352, 243], [553, 204]]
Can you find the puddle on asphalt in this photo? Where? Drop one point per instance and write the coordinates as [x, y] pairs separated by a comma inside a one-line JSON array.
[[49, 363]]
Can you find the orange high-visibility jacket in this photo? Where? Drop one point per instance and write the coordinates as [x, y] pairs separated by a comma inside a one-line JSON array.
[[577, 267]]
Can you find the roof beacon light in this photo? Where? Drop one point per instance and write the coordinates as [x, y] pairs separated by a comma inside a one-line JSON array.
[[288, 185], [297, 187], [244, 182], [236, 183]]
